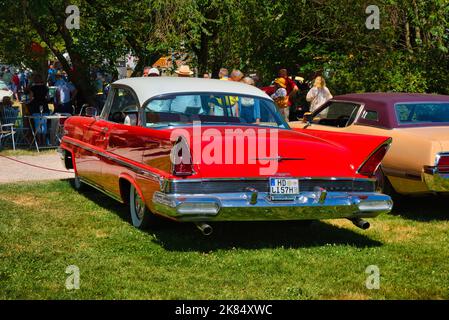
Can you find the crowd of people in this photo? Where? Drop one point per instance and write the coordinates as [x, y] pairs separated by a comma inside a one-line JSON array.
[[36, 93], [16, 80], [284, 90], [292, 97]]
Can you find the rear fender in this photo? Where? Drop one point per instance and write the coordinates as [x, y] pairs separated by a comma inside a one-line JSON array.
[[70, 150], [132, 182]]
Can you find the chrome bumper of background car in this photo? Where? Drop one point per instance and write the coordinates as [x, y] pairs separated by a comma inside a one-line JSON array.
[[436, 182], [249, 206]]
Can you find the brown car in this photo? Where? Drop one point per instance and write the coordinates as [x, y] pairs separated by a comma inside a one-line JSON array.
[[418, 160]]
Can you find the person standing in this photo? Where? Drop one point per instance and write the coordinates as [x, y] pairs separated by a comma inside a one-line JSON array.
[[249, 107], [281, 98], [51, 79], [154, 72], [7, 111], [64, 95], [15, 84], [38, 106], [290, 86], [223, 74], [236, 75], [151, 72], [58, 82], [233, 101], [7, 76], [22, 80], [319, 94], [181, 102]]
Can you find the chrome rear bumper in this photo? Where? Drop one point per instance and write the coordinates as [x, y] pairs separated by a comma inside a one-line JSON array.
[[248, 206], [436, 182]]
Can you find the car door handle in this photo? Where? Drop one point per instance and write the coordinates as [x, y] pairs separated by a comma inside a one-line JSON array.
[[105, 129]]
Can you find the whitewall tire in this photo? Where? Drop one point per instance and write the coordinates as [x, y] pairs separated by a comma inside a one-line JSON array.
[[141, 217]]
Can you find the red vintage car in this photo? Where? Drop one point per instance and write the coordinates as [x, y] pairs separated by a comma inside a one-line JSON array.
[[200, 150]]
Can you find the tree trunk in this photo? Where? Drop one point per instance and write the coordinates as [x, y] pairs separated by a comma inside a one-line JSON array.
[[408, 43], [418, 39], [203, 54]]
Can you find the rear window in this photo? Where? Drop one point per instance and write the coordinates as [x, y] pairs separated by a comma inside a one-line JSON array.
[[212, 108], [415, 113]]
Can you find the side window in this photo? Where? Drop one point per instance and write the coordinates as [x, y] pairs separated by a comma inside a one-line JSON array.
[[337, 114], [124, 107], [370, 115]]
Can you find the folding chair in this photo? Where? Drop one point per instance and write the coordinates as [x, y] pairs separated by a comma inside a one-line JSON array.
[[11, 116], [5, 132], [60, 126]]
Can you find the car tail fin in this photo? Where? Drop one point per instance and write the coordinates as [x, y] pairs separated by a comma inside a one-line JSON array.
[[372, 163], [181, 158]]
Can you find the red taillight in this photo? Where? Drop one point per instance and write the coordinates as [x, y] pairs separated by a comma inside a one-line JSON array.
[[369, 167], [181, 159], [443, 164]]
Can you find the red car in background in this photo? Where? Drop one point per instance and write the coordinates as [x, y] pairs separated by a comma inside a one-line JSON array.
[[196, 150]]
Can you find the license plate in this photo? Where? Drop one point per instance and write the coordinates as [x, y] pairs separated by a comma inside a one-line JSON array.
[[281, 188]]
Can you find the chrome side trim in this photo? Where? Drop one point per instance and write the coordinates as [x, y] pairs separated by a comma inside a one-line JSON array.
[[110, 157], [97, 187]]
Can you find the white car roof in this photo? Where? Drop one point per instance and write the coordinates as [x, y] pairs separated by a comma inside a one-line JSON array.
[[149, 87]]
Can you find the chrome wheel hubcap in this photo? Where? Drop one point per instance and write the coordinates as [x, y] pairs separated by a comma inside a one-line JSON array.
[[139, 206], [77, 182]]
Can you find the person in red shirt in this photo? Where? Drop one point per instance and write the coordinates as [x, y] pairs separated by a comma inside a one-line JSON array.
[[291, 86], [15, 85]]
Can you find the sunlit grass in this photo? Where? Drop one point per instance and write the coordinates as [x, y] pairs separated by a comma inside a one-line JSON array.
[[45, 227]]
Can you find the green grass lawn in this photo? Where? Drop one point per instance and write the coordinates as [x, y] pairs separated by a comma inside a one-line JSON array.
[[45, 227]]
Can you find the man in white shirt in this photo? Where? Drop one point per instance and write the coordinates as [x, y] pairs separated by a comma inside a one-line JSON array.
[[65, 93]]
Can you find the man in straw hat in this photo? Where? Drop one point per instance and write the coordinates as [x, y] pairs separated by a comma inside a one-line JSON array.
[[184, 71]]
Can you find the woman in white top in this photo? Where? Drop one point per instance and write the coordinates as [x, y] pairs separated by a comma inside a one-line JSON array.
[[319, 94]]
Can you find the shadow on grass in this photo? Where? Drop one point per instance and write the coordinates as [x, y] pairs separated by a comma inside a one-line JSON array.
[[422, 208], [257, 235], [105, 201], [240, 235]]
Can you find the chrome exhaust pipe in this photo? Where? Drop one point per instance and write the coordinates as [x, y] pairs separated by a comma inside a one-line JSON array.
[[360, 223], [204, 228]]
